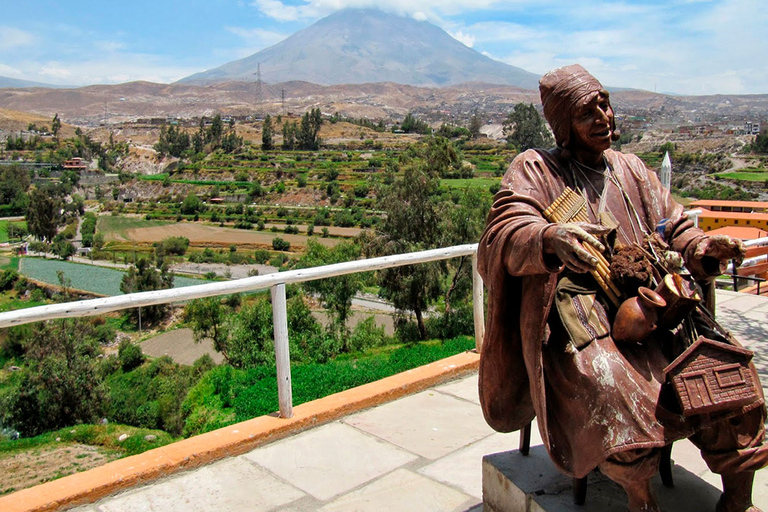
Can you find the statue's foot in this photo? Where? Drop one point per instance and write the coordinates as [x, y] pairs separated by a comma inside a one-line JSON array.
[[644, 502], [725, 505], [737, 493]]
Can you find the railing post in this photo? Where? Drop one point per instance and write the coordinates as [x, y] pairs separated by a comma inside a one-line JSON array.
[[282, 353], [477, 305]]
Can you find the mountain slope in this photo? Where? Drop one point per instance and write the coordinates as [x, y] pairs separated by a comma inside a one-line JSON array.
[[363, 46], [6, 81]]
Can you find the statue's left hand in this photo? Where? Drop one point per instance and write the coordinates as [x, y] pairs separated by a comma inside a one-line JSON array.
[[713, 254]]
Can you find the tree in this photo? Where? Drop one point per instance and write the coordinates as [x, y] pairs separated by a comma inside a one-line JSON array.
[[14, 183], [761, 143], [412, 223], [525, 129], [207, 318], [475, 123], [412, 125], [43, 214], [56, 126], [64, 249], [444, 157], [143, 277], [267, 134], [191, 204], [60, 385], [289, 135], [336, 293], [215, 131], [307, 137]]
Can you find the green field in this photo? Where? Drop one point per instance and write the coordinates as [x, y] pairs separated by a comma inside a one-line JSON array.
[[4, 228], [746, 174], [89, 278], [119, 224]]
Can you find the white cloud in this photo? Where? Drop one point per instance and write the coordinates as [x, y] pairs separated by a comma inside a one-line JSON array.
[[420, 9], [9, 71], [109, 46], [466, 39], [11, 37], [255, 39]]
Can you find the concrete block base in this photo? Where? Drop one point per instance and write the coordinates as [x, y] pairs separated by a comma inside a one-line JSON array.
[[516, 483]]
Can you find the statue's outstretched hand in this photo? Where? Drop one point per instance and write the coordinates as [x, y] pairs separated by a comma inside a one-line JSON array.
[[566, 242], [713, 254]]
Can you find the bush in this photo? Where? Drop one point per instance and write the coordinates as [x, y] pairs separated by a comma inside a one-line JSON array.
[[8, 279], [151, 396], [366, 334], [176, 245], [459, 322], [279, 244], [60, 384], [130, 356]]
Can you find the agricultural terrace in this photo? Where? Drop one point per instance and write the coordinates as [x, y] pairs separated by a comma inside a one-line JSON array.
[[88, 278]]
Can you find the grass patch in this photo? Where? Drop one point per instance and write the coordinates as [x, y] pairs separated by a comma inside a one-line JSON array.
[[4, 228], [747, 174], [484, 183], [226, 395], [103, 436], [118, 225]]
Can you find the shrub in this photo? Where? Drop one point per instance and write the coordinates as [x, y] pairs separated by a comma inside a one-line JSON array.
[[130, 355], [261, 256], [8, 279], [279, 244], [366, 334], [176, 245]]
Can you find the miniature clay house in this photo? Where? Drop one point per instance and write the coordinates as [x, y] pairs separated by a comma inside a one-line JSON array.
[[712, 376]]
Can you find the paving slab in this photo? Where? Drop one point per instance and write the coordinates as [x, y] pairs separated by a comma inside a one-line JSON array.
[[464, 468], [231, 485], [399, 491], [330, 460], [430, 423], [466, 388]]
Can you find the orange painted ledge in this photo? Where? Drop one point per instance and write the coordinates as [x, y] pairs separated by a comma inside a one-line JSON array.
[[96, 483]]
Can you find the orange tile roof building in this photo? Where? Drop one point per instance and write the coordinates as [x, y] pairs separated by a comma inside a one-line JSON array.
[[719, 214]]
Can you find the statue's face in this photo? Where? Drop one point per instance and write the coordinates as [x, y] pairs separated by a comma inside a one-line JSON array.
[[591, 122]]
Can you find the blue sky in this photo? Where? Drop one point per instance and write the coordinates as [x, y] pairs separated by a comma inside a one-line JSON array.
[[680, 46]]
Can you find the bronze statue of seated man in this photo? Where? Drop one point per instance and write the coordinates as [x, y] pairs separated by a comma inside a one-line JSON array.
[[549, 352]]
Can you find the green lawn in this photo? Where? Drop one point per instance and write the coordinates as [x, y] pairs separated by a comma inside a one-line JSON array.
[[746, 174], [4, 228], [120, 224]]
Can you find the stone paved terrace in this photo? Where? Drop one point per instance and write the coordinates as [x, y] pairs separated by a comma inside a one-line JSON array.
[[421, 452]]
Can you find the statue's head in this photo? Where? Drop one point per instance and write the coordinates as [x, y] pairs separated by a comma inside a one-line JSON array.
[[570, 93]]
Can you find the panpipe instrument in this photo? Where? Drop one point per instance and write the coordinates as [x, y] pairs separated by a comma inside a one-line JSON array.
[[570, 206]]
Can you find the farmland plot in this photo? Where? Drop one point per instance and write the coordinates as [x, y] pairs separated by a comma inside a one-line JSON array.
[[89, 278]]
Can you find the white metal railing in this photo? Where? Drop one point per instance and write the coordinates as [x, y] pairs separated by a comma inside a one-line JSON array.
[[276, 282]]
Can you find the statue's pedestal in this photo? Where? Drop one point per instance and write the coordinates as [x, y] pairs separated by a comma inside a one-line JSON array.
[[516, 483]]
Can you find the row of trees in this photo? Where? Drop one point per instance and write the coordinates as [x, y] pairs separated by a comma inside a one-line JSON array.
[[177, 142]]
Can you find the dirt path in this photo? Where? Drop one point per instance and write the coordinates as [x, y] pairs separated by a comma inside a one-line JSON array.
[[180, 345]]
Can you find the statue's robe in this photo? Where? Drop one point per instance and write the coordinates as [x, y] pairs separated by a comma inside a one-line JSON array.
[[601, 398]]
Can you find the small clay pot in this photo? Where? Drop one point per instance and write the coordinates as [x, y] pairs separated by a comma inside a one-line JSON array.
[[637, 317]]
